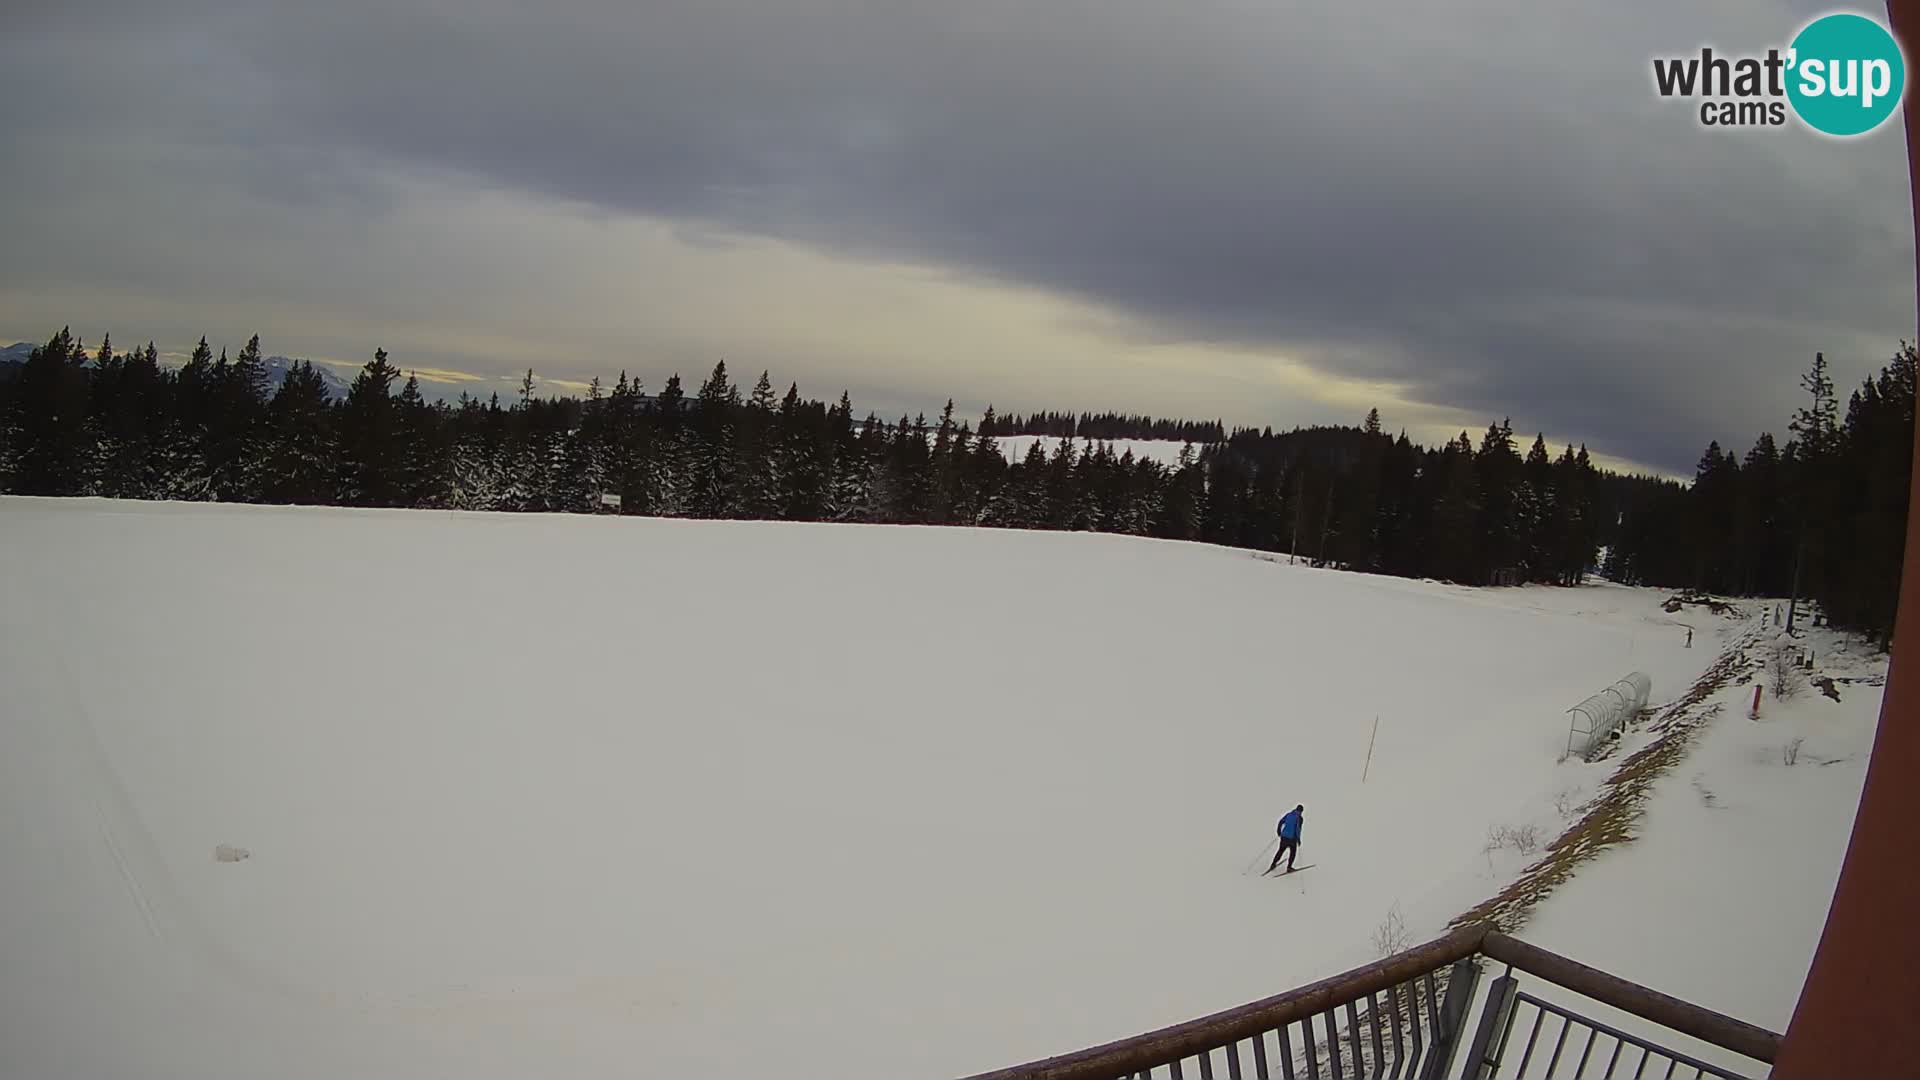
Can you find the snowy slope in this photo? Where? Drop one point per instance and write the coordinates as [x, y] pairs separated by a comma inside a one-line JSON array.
[[278, 367], [1722, 895], [601, 796]]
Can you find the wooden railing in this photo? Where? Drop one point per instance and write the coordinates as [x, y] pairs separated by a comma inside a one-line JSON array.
[[1669, 1012], [1404, 1016]]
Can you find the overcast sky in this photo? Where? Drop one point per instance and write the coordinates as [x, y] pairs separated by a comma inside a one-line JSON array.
[[1270, 212]]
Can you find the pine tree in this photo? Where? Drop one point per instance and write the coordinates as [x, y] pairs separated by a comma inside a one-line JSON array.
[[234, 426], [947, 492], [372, 469], [1813, 453], [249, 374], [96, 441], [1567, 551], [302, 465], [844, 470], [1497, 467], [422, 480], [184, 465], [1455, 514], [986, 476], [1856, 548], [669, 469], [762, 400], [49, 419], [1185, 502], [1536, 514], [114, 442], [1714, 508], [1816, 424], [712, 492], [139, 415], [762, 455], [476, 466], [1761, 518]]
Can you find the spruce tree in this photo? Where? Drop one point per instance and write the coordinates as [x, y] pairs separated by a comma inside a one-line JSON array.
[[477, 465], [762, 455], [234, 425], [1537, 513], [670, 471], [947, 476], [421, 478], [184, 458], [713, 492], [371, 455], [301, 460], [1761, 521], [1813, 455], [50, 418], [1497, 470], [1455, 515]]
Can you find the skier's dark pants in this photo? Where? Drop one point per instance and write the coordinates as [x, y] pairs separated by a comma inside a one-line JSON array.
[[1289, 849]]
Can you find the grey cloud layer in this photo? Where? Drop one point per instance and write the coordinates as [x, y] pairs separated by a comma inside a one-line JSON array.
[[1487, 204]]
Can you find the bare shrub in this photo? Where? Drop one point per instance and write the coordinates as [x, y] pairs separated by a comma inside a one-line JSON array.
[[1391, 935], [1568, 803], [1784, 677], [1524, 839]]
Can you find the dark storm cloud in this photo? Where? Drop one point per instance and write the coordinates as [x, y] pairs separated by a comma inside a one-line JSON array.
[[1484, 203]]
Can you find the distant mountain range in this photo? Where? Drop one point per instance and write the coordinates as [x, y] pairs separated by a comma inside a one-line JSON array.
[[278, 366], [13, 356]]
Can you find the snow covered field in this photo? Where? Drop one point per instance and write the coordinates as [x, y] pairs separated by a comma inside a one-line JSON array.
[[559, 796]]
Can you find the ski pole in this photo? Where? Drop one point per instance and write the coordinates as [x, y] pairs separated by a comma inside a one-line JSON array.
[[1264, 848]]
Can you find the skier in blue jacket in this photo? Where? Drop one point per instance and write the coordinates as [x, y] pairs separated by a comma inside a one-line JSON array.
[[1290, 826]]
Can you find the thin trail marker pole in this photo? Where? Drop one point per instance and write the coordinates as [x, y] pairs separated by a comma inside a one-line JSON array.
[[1369, 765]]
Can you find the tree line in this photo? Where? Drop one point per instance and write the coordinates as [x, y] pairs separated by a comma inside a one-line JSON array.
[[1104, 427], [1821, 516]]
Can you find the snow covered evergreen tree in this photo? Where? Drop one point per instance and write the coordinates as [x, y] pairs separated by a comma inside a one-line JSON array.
[[48, 421], [302, 465], [371, 455]]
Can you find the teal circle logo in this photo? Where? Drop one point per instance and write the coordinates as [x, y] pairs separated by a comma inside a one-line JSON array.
[[1846, 74]]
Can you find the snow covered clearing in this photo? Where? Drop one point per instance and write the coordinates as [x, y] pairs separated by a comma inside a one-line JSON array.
[[561, 796]]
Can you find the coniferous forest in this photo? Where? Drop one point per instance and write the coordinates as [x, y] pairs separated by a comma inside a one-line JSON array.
[[1820, 514]]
